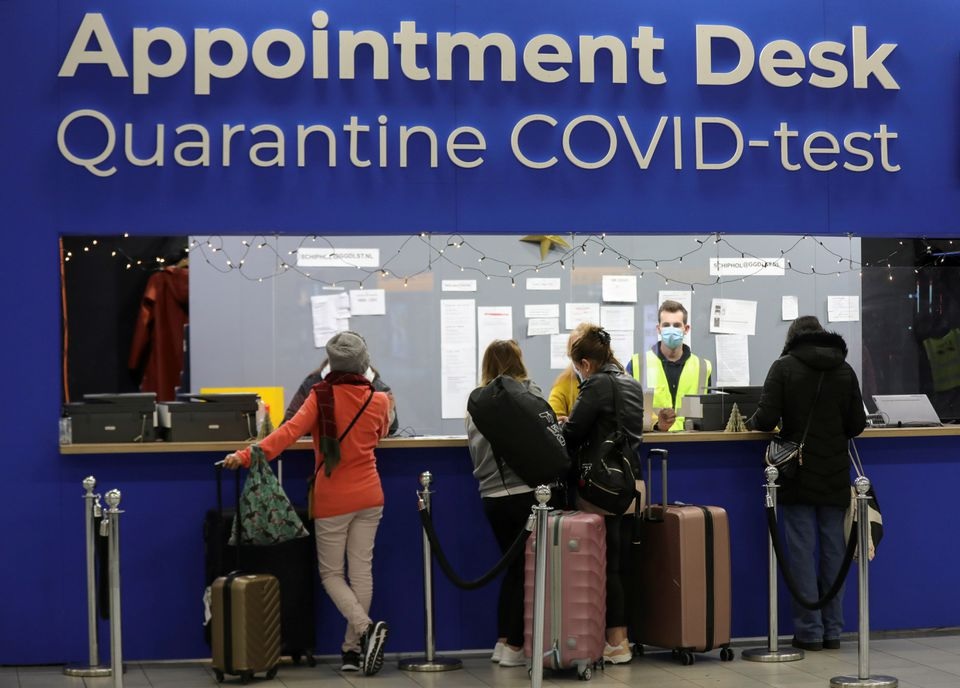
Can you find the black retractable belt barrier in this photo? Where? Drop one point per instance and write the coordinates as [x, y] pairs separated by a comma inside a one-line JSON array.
[[788, 577], [515, 549]]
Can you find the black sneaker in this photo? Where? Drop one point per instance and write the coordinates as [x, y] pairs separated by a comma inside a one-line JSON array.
[[831, 643], [808, 645], [371, 644], [350, 661]]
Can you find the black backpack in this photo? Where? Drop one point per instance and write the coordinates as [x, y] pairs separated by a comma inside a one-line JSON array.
[[522, 430]]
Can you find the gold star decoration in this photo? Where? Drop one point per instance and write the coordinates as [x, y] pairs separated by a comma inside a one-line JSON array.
[[546, 241]]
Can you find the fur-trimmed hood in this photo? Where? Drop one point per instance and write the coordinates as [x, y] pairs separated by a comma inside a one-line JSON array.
[[819, 350]]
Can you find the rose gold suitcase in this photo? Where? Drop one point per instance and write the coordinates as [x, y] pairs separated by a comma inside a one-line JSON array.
[[245, 625], [575, 606], [684, 586]]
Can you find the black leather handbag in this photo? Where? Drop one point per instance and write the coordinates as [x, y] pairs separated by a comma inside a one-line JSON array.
[[786, 455], [606, 478]]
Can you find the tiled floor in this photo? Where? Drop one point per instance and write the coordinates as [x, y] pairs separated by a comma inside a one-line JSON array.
[[925, 662]]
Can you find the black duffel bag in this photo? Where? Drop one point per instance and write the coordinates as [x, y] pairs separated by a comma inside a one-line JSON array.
[[522, 430]]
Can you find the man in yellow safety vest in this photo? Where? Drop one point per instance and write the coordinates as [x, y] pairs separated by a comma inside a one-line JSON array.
[[673, 371]]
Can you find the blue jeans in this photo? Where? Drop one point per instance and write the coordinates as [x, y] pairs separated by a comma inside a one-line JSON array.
[[802, 524]]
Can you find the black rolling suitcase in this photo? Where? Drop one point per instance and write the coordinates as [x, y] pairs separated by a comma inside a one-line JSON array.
[[293, 563]]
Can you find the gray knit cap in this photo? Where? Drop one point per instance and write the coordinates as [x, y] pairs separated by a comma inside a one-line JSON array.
[[347, 352]]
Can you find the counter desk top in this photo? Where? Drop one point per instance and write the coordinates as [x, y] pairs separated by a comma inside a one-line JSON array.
[[429, 441]]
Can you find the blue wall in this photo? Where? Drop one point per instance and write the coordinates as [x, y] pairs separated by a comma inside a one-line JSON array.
[[42, 196]]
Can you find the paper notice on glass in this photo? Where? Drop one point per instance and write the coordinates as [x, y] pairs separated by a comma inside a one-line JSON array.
[[558, 351], [684, 297], [538, 310], [537, 326], [733, 316], [493, 322], [543, 284], [616, 318], [790, 307], [620, 288], [458, 355], [323, 310], [843, 308], [577, 313], [733, 361], [342, 302], [622, 344], [368, 302], [458, 285]]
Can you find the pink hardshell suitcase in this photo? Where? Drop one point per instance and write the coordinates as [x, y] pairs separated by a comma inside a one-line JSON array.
[[575, 606]]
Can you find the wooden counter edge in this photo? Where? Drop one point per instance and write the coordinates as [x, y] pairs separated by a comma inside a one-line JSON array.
[[426, 442]]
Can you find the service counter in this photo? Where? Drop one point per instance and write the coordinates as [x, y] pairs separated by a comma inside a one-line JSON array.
[[913, 581]]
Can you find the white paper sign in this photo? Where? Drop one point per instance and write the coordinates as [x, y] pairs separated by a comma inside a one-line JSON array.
[[493, 322], [685, 298], [458, 285], [790, 308], [617, 318], [338, 257], [323, 311], [538, 326], [622, 345], [368, 302], [577, 313], [733, 361], [543, 284], [620, 288], [558, 351], [733, 316], [843, 308], [458, 355], [754, 267], [544, 310]]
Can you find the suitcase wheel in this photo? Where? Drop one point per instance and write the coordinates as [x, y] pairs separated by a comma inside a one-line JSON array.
[[270, 674], [585, 673], [219, 675], [295, 657], [312, 661], [686, 657], [245, 677], [726, 654]]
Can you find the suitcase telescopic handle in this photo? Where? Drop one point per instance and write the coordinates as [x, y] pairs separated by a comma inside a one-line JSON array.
[[662, 453]]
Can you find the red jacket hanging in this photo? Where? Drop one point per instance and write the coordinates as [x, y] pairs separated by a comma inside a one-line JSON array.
[[158, 336]]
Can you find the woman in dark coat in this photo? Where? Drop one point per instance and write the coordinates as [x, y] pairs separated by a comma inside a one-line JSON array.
[[591, 421], [815, 499]]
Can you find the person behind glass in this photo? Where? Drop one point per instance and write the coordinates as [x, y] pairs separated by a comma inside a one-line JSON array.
[[815, 499], [591, 421], [371, 373], [506, 503], [672, 368], [347, 495]]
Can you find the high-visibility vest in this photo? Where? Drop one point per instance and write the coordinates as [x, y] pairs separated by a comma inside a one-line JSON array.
[[693, 380], [944, 357]]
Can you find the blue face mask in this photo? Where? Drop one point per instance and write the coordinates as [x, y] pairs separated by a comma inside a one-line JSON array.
[[672, 336]]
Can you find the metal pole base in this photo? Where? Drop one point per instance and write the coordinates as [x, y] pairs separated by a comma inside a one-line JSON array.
[[437, 664], [85, 670], [856, 682], [763, 654]]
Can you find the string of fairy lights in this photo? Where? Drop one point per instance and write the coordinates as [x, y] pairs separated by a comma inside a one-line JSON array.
[[457, 251]]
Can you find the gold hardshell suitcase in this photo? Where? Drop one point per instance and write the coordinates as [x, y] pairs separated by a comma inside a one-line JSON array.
[[245, 625]]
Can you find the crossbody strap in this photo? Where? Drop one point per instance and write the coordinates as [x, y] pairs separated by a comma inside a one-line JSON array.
[[810, 417], [349, 428], [616, 402]]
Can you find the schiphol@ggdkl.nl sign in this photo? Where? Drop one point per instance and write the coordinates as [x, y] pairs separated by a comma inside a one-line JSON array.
[[403, 56]]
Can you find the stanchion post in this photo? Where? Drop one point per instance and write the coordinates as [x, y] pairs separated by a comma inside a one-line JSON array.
[[540, 513], [772, 652], [863, 677], [430, 662], [91, 512], [112, 521]]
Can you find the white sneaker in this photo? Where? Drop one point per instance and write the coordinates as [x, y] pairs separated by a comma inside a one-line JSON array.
[[617, 654], [512, 658], [497, 652]]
